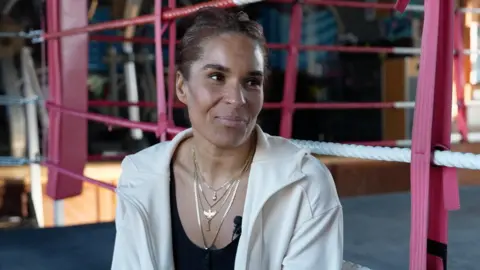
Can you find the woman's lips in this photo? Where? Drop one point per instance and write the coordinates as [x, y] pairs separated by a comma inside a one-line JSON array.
[[231, 121]]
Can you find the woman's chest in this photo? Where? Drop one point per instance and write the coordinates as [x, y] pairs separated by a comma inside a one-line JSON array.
[[209, 218]]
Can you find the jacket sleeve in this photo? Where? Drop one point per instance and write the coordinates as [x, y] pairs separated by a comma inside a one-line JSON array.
[[125, 256], [317, 243], [127, 253]]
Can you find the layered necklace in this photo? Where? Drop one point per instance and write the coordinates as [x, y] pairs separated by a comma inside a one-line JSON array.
[[222, 196]]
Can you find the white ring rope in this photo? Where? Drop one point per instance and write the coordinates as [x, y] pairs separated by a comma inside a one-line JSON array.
[[11, 100], [396, 154]]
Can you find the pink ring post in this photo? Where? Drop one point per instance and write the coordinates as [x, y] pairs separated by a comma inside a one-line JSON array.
[[459, 77], [288, 102], [161, 102], [54, 79], [172, 42], [68, 60], [434, 190]]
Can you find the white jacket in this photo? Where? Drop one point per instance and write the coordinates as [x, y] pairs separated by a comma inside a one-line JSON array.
[[292, 217]]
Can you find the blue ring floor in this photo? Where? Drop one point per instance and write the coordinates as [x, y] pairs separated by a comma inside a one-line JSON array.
[[376, 236]]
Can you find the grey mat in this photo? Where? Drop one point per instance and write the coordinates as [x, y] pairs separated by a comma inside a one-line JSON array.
[[87, 247], [377, 231]]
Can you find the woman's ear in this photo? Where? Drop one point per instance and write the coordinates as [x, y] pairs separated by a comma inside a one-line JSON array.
[[180, 87]]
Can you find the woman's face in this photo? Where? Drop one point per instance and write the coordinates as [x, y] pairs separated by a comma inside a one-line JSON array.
[[224, 91]]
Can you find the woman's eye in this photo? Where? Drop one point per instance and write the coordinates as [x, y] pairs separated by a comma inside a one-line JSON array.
[[254, 82], [216, 77]]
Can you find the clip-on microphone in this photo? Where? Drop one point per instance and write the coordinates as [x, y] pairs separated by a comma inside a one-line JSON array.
[[237, 227]]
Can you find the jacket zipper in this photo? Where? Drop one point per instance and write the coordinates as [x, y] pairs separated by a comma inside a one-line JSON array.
[[146, 227]]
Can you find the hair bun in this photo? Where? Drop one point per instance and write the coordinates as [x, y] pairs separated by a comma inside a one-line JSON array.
[[242, 17]]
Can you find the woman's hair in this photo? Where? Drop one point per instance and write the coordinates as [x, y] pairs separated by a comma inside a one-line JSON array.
[[210, 22]]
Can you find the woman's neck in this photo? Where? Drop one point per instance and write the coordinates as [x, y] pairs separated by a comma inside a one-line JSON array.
[[218, 165]]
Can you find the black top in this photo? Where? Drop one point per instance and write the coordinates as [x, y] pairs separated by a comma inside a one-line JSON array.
[[189, 256]]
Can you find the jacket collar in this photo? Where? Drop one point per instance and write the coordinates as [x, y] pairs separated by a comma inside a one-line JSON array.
[[163, 156], [155, 161]]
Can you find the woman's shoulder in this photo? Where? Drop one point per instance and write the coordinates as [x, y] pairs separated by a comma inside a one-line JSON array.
[[147, 160], [319, 185], [145, 165], [316, 180]]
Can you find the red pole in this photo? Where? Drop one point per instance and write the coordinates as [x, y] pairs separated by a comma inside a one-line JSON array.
[[459, 77], [71, 63], [172, 40], [80, 178], [289, 89], [161, 102], [54, 78], [350, 4], [113, 39], [185, 11], [104, 119], [100, 26], [167, 15]]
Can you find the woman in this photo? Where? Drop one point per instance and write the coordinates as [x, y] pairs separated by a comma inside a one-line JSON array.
[[223, 194]]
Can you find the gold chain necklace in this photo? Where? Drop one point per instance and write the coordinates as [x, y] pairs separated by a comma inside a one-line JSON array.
[[211, 205], [211, 213], [214, 199], [228, 183], [198, 212], [214, 190]]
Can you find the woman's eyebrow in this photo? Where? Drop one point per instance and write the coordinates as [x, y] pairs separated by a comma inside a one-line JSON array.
[[253, 73], [217, 67]]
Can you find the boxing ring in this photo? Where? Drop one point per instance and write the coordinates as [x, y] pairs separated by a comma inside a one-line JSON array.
[[415, 225]]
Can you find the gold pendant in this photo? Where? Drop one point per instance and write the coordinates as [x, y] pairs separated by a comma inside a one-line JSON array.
[[208, 225], [209, 214]]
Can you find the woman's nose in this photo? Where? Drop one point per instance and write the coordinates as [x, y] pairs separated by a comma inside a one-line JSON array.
[[235, 95]]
